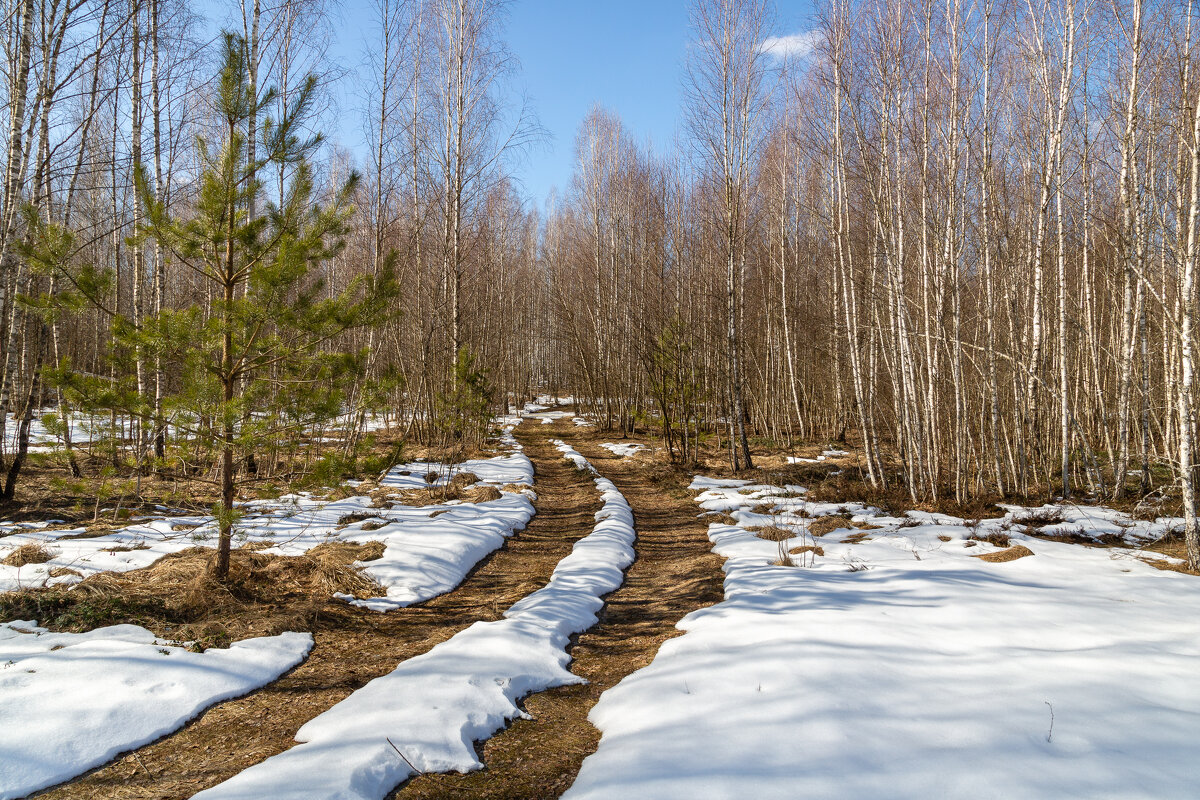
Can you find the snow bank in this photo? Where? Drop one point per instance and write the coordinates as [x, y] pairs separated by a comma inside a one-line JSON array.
[[569, 453], [902, 667], [429, 550], [426, 714], [73, 701]]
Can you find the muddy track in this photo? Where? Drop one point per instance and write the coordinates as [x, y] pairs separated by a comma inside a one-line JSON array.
[[353, 647], [675, 573]]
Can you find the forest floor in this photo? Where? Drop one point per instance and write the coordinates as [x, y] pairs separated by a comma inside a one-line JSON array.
[[675, 573], [920, 561]]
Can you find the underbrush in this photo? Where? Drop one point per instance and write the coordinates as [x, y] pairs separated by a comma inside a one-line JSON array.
[[177, 598], [333, 468]]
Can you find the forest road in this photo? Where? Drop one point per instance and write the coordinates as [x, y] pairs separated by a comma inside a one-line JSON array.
[[675, 573], [353, 646]]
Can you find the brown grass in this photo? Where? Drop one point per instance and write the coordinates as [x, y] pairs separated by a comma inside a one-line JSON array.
[[808, 548], [327, 569], [996, 538], [350, 519], [177, 597], [31, 553], [126, 548], [354, 646], [1174, 546], [481, 494], [772, 533], [1066, 536], [676, 572], [823, 525], [1011, 554], [1040, 517], [464, 488]]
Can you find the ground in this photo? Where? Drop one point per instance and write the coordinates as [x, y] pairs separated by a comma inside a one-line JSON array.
[[687, 561]]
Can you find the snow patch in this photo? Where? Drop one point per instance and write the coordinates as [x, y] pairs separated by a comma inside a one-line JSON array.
[[900, 666], [424, 556], [73, 701], [624, 450], [429, 711]]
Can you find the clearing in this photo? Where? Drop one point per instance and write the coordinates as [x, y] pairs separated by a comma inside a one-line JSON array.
[[510, 627]]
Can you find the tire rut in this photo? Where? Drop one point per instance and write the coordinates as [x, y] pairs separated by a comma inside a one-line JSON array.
[[675, 573], [354, 647]]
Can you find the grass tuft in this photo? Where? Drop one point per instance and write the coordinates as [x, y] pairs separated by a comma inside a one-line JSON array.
[[31, 553]]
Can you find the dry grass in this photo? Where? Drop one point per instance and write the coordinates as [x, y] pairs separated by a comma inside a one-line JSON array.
[[996, 538], [481, 494], [461, 487], [856, 538], [808, 548], [350, 519], [1075, 535], [1174, 546], [1040, 518], [464, 491], [1011, 554], [31, 553], [326, 570], [177, 597], [125, 548], [828, 524], [772, 533]]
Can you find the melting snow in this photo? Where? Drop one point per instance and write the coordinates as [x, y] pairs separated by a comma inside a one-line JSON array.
[[902, 667], [623, 450], [432, 708], [73, 701]]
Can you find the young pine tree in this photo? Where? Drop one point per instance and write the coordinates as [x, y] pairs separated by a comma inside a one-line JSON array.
[[265, 338]]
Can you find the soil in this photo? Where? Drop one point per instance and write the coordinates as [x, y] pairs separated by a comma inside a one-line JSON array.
[[675, 573], [352, 647]]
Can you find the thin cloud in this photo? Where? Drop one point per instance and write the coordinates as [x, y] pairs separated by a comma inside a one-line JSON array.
[[795, 45]]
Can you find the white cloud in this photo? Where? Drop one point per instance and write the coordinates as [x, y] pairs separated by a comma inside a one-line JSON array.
[[795, 45]]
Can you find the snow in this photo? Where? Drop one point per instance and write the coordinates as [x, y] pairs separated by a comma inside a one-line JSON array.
[[825, 455], [902, 667], [89, 429], [429, 711], [73, 701], [623, 450], [547, 417], [513, 468], [83, 429], [428, 550]]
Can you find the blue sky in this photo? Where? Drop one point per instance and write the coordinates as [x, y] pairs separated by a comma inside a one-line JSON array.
[[626, 55]]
